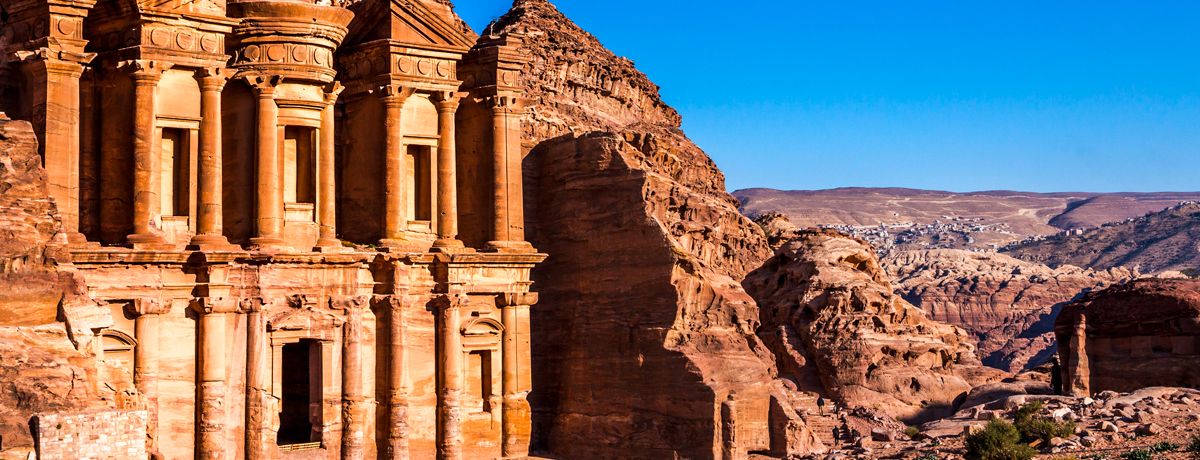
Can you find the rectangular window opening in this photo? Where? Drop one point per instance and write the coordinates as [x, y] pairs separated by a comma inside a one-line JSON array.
[[299, 164], [176, 180], [479, 380], [420, 183]]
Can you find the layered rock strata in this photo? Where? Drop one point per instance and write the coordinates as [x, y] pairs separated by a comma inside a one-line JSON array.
[[831, 318], [1140, 334], [645, 342], [1008, 305], [47, 324]]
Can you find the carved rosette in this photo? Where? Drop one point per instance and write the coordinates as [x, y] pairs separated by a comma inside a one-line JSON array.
[[290, 39], [182, 39]]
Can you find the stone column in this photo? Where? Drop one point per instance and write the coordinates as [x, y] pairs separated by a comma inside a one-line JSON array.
[[395, 217], [447, 181], [147, 313], [508, 218], [516, 425], [256, 360], [450, 386], [1077, 368], [209, 220], [53, 83], [269, 195], [211, 438], [399, 386], [354, 397], [147, 165], [327, 171]]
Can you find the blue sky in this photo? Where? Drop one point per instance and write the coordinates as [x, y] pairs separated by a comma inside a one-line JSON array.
[[945, 94]]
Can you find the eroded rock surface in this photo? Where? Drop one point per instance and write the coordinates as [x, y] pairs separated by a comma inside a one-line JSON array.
[[645, 342], [1008, 305], [1139, 334], [831, 317], [47, 323]]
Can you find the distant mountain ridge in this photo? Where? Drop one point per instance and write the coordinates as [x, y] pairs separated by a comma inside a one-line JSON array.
[[1160, 241], [977, 219]]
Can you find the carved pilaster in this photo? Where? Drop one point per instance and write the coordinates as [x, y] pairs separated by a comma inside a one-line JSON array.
[[399, 385], [269, 195], [355, 400], [209, 222], [508, 217], [450, 365], [214, 348], [516, 425], [256, 391], [326, 198], [146, 314]]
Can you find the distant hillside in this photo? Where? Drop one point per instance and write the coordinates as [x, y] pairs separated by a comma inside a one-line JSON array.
[[1164, 240], [938, 219]]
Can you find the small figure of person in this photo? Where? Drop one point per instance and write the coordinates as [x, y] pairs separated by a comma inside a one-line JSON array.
[[821, 404]]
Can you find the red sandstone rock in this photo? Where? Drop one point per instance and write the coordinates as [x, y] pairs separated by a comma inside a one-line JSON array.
[[1008, 304], [1140, 334], [830, 315], [46, 321], [645, 342]]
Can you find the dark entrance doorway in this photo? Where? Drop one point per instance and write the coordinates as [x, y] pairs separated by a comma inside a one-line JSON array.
[[301, 405]]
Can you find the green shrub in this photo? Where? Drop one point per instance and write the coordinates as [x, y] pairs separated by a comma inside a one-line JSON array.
[[1140, 454], [999, 440], [1035, 427], [1194, 446], [912, 432], [1164, 447]]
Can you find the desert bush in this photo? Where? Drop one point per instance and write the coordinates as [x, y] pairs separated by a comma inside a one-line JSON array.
[[912, 432], [1164, 447], [1140, 454], [1194, 446], [1036, 427], [999, 440]]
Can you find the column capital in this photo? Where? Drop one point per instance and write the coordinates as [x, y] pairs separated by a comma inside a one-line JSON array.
[[264, 85], [504, 103], [213, 78], [447, 302], [215, 305], [145, 71], [55, 61], [147, 307], [349, 303], [517, 299], [252, 305], [332, 91], [447, 101], [394, 94]]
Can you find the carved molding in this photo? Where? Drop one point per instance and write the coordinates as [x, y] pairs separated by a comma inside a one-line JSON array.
[[517, 299], [146, 306], [216, 305], [184, 39]]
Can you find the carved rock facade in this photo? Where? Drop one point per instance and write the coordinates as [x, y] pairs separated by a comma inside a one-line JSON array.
[[302, 223]]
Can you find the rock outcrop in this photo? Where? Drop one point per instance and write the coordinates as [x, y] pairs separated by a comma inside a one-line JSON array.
[[1135, 335], [644, 342], [1008, 305], [47, 323], [835, 325]]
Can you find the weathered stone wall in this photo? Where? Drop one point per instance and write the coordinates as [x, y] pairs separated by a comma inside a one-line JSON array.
[[1139, 334], [92, 435]]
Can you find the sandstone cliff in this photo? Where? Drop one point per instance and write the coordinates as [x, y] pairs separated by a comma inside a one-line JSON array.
[[47, 323], [1139, 334], [644, 341], [1008, 305], [832, 319]]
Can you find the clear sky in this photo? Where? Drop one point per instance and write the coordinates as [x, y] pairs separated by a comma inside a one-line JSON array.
[[1037, 95]]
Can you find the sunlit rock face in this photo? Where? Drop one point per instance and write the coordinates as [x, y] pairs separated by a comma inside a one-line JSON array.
[[831, 318]]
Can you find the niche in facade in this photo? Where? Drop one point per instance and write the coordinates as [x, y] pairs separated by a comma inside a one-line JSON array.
[[420, 183], [299, 164], [176, 149]]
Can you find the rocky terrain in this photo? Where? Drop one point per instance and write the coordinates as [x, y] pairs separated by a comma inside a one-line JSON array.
[[1156, 242], [836, 326], [924, 219], [47, 323], [645, 342], [1008, 305]]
